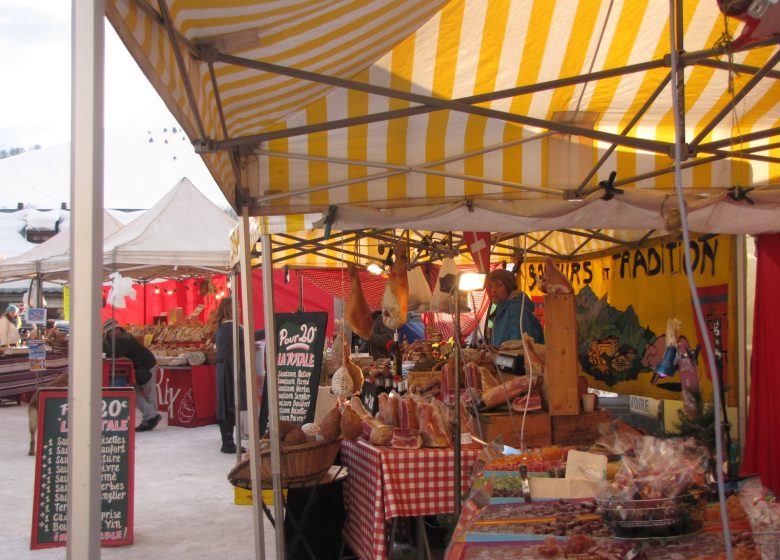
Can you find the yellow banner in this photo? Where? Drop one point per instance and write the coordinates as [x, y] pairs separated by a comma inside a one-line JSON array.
[[624, 301]]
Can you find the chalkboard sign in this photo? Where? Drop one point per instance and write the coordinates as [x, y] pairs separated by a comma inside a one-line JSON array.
[[50, 496], [369, 395], [300, 339]]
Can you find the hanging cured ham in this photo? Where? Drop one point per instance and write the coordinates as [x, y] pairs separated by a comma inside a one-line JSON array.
[[395, 301], [356, 312]]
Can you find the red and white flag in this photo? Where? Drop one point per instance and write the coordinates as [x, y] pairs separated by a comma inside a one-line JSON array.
[[479, 247]]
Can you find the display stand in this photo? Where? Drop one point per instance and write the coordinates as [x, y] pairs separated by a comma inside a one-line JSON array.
[[297, 520], [561, 368], [489, 425], [541, 428]]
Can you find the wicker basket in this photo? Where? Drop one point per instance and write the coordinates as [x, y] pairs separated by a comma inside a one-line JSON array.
[[422, 378], [299, 464]]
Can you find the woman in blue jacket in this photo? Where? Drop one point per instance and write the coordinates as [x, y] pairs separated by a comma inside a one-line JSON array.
[[508, 302]]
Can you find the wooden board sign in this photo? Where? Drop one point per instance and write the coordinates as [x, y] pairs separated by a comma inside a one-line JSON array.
[[300, 339], [50, 496]]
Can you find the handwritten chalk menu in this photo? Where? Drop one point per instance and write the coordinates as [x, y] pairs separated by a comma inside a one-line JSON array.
[[50, 505], [300, 339]]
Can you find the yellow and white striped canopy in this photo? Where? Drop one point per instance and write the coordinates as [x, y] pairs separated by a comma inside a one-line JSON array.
[[508, 108]]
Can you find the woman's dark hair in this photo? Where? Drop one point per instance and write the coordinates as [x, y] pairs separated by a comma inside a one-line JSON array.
[[225, 310], [505, 277]]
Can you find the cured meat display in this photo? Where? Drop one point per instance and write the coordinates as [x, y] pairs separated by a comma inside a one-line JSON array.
[[409, 413], [500, 394], [356, 311], [406, 439], [395, 301], [553, 281], [533, 401], [433, 428]]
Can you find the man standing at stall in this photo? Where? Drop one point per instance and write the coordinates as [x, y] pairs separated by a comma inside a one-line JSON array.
[[119, 343]]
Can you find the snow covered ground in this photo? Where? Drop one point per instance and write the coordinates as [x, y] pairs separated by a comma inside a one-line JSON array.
[[183, 502]]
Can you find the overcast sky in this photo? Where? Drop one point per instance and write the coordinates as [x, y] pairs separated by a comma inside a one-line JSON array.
[[35, 109]]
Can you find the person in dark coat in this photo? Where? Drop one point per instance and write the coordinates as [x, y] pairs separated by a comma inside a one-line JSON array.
[[121, 344], [378, 344], [226, 413]]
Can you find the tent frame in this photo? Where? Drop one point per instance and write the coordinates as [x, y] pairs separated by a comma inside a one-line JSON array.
[[214, 49]]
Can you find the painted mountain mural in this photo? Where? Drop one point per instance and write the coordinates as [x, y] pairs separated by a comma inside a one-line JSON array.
[[611, 343]]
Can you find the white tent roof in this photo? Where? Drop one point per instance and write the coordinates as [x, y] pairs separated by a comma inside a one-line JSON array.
[[40, 257], [181, 235]]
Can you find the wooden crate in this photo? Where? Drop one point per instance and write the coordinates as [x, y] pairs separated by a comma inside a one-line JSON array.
[[579, 430], [538, 428], [561, 370]]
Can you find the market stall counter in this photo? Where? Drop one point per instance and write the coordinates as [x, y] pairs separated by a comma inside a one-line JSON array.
[[385, 483], [187, 394], [16, 377]]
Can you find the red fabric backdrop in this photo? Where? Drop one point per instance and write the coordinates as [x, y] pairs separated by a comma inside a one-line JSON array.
[[762, 445], [186, 294]]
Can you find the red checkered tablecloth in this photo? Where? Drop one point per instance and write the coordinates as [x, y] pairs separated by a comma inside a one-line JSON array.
[[384, 483]]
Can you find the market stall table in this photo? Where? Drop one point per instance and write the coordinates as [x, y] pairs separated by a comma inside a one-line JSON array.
[[16, 377], [514, 539], [187, 394], [386, 483]]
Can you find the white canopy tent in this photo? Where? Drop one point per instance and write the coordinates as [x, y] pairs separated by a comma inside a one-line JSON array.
[[184, 234], [38, 259]]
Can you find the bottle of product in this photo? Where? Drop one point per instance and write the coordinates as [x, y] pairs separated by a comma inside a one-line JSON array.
[[396, 352]]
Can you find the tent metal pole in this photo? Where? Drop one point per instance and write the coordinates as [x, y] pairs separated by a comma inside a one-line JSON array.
[[458, 364], [236, 367], [300, 293], [717, 394], [86, 188], [252, 402], [273, 395], [742, 342]]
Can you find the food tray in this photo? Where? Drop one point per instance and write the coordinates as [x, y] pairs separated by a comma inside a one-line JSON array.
[[536, 521], [659, 518]]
